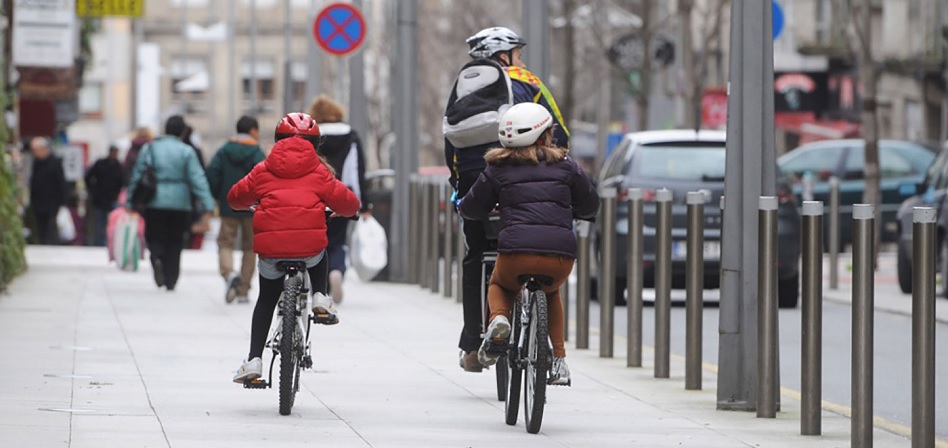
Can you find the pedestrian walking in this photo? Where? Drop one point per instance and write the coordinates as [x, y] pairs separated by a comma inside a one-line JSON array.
[[143, 135], [342, 148], [167, 215], [47, 190], [231, 163], [104, 182]]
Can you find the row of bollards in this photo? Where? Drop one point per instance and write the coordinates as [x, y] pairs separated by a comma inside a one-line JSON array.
[[437, 247]]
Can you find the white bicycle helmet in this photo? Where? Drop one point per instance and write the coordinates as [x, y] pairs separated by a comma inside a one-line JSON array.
[[523, 124], [489, 41]]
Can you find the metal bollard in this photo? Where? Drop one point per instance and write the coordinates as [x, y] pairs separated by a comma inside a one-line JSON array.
[[863, 331], [434, 246], [634, 275], [767, 386], [834, 233], [923, 327], [446, 272], [663, 204], [607, 274], [414, 220], [694, 301], [811, 419], [582, 285], [425, 224], [460, 251], [564, 297]]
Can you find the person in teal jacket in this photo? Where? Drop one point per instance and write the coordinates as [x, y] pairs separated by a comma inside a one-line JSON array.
[[230, 164], [167, 216]]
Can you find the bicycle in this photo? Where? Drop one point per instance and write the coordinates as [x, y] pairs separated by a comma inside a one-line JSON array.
[[289, 338], [527, 348]]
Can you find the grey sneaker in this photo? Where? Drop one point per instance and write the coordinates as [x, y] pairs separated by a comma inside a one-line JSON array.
[[499, 328], [232, 281], [559, 374], [249, 370], [335, 286]]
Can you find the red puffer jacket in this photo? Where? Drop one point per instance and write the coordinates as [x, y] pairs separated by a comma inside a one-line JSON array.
[[292, 189]]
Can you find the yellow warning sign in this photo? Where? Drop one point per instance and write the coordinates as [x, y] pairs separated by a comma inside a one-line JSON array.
[[105, 8]]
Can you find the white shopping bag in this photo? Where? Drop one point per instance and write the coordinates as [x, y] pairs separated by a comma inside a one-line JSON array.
[[368, 249], [64, 225], [126, 244]]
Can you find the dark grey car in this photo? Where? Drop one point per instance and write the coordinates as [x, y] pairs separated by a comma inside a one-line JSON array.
[[683, 161], [931, 192]]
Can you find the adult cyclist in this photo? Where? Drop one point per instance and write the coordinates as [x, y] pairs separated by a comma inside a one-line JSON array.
[[503, 46]]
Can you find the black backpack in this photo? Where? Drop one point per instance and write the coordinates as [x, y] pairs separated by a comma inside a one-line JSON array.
[[481, 94]]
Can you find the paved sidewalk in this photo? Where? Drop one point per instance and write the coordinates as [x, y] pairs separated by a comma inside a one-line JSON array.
[[99, 358]]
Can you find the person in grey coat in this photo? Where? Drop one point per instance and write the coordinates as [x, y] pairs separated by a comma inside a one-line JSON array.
[[167, 216]]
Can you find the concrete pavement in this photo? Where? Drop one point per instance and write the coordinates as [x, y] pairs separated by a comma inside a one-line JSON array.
[[95, 357]]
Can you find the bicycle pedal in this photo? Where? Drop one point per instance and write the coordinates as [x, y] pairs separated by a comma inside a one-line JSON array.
[[258, 383], [325, 319]]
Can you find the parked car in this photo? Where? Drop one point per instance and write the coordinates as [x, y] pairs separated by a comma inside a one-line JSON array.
[[902, 165], [683, 161], [931, 192]]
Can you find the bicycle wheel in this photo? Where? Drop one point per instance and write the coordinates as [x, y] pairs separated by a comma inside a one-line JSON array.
[[538, 364], [289, 359], [514, 374], [501, 378]]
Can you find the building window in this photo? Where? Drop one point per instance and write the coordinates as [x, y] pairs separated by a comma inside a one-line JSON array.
[[263, 71], [190, 81], [914, 10], [90, 99], [824, 21], [298, 73]]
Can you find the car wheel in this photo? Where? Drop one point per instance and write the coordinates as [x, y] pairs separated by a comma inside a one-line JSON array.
[[788, 291], [904, 265]]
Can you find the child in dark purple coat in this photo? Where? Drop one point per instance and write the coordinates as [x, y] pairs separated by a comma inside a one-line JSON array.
[[539, 192]]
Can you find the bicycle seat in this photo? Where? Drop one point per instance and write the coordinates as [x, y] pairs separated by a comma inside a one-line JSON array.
[[545, 280], [289, 265]]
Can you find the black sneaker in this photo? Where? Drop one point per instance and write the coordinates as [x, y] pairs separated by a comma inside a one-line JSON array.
[[159, 271]]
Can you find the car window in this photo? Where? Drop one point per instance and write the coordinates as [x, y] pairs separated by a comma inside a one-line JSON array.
[[821, 161], [616, 162], [699, 162], [895, 160]]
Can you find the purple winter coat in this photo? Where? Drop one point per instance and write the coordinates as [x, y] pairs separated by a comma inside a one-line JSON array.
[[537, 205]]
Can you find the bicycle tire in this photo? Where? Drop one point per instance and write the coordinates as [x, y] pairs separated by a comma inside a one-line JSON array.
[[514, 374], [501, 378], [289, 359], [538, 364]]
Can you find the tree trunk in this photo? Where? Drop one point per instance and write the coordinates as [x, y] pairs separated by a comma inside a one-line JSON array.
[[645, 73], [688, 94], [870, 129], [569, 49]]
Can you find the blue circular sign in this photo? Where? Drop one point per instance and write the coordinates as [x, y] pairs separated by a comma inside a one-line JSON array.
[[339, 29], [778, 19]]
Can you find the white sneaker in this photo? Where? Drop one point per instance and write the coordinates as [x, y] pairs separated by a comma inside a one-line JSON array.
[[243, 299], [325, 312], [559, 374], [335, 286], [499, 328], [249, 370]]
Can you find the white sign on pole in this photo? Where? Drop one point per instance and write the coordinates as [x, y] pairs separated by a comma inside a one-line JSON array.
[[44, 33], [71, 156]]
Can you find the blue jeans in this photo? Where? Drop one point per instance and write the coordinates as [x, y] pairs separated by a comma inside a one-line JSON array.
[[101, 223]]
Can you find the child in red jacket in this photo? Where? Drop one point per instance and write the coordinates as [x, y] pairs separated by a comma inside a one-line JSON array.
[[290, 190]]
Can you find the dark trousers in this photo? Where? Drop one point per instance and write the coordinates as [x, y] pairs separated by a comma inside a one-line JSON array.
[[101, 223], [164, 235], [46, 230], [476, 241], [336, 232], [270, 290]]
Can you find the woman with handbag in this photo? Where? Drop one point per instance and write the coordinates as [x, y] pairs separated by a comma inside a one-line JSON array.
[[165, 175]]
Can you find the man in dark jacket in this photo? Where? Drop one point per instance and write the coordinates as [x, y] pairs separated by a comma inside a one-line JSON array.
[[104, 182], [47, 190], [231, 163], [504, 47]]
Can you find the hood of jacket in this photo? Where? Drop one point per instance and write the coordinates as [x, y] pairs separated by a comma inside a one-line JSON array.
[[291, 158], [239, 152]]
